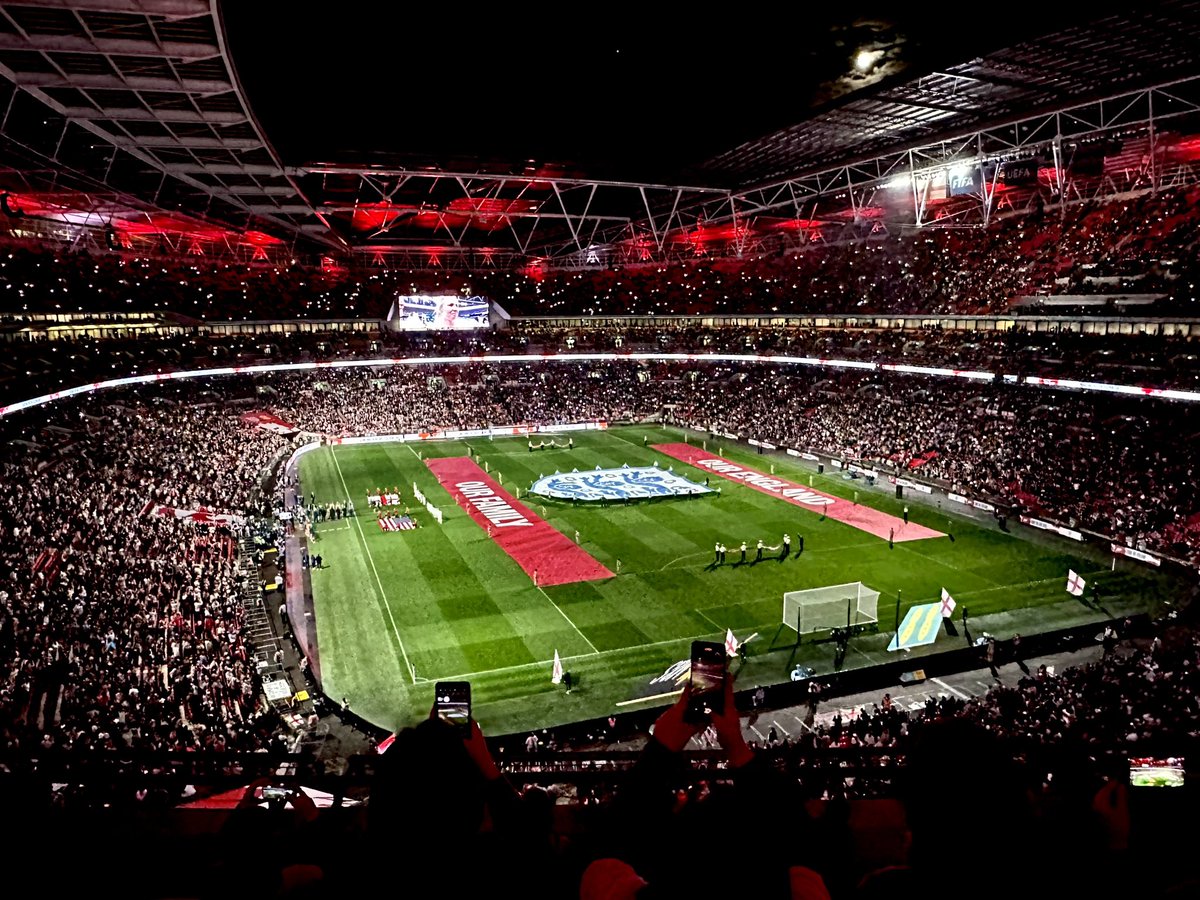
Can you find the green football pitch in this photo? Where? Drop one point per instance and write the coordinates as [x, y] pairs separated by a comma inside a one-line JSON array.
[[398, 611]]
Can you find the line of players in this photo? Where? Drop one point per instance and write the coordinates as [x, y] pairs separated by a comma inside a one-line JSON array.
[[784, 549]]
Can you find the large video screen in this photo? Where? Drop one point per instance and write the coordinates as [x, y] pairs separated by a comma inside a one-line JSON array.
[[426, 312]]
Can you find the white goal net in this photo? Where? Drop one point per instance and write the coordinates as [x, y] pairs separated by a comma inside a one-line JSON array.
[[835, 606]]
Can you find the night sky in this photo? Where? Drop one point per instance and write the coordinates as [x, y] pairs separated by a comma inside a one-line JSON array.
[[622, 93]]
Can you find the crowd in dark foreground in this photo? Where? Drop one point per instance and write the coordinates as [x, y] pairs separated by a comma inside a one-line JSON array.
[[1017, 781], [1141, 244]]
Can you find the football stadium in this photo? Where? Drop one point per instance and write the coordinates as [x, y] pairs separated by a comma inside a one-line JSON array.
[[546, 450], [618, 586]]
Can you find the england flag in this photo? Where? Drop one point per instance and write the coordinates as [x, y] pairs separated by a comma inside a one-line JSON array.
[[948, 604], [1075, 583], [731, 643]]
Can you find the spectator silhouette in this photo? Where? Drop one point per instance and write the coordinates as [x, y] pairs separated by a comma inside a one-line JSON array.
[[692, 846], [439, 799], [959, 775], [286, 825]]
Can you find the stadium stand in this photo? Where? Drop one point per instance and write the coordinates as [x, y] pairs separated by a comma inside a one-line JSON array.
[[162, 721]]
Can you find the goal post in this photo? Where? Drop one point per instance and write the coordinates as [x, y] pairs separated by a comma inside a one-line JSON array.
[[834, 606]]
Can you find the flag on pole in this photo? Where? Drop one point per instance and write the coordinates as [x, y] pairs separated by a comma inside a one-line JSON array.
[[557, 676], [948, 604], [1075, 583], [731, 643]]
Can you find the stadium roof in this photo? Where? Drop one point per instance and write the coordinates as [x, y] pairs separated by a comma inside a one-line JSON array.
[[139, 98], [1144, 44], [130, 112]]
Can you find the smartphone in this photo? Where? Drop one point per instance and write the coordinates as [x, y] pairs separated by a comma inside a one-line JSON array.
[[706, 680], [1156, 771], [275, 793], [452, 701]]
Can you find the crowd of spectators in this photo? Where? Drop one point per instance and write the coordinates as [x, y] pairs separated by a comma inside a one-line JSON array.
[[124, 629], [30, 369], [1146, 694], [1140, 243], [122, 625], [100, 593]]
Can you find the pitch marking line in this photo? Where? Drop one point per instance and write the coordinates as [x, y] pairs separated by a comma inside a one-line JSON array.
[[708, 620], [663, 568], [680, 640], [947, 565], [572, 624], [382, 593], [961, 695]]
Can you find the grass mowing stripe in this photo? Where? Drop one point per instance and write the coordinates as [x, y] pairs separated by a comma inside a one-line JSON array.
[[382, 593]]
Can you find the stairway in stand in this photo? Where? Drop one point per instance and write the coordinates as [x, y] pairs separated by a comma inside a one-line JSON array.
[[260, 627]]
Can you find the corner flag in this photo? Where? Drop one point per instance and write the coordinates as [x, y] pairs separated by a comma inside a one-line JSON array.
[[1075, 583], [731, 643], [948, 604], [557, 675]]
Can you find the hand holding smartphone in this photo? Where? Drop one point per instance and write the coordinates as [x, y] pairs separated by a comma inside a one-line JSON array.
[[452, 704], [706, 682]]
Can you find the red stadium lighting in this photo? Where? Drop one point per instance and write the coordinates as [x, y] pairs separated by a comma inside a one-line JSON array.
[[378, 216], [1184, 149], [261, 239], [486, 213]]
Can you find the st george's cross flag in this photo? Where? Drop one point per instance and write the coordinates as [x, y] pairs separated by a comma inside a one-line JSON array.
[[1075, 583], [948, 604], [557, 675], [731, 643]]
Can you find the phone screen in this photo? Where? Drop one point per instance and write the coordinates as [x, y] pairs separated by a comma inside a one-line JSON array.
[[706, 680], [453, 703], [1156, 771], [275, 793]]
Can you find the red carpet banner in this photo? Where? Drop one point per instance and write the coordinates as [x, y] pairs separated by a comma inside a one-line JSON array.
[[864, 518], [533, 544]]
